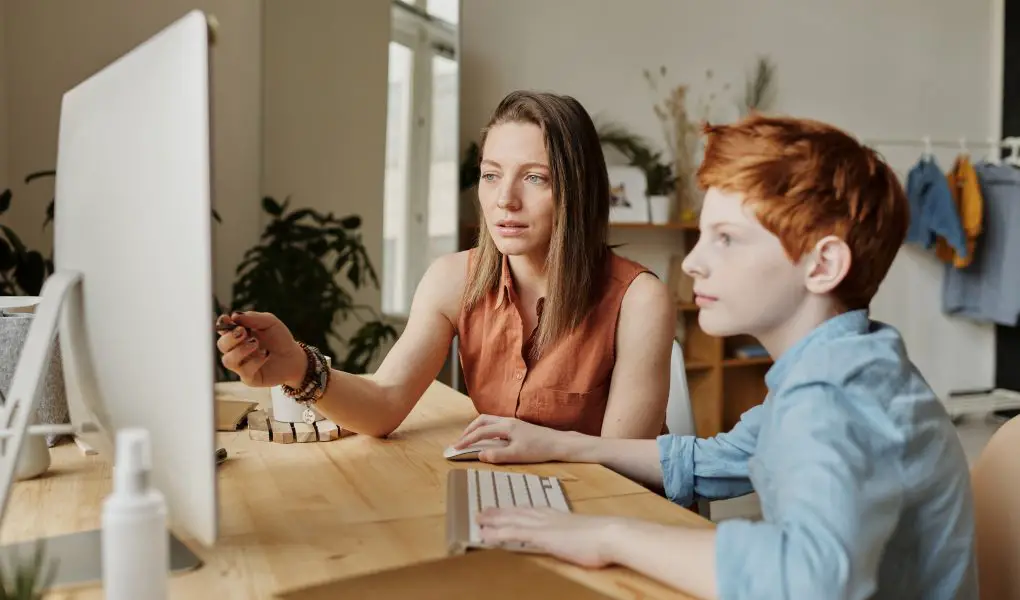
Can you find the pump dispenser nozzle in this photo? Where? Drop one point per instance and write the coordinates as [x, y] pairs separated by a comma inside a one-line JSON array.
[[134, 461]]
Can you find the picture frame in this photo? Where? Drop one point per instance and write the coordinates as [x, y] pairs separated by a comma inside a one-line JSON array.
[[628, 189]]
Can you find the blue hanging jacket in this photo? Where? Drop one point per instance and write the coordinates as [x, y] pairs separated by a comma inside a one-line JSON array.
[[932, 210]]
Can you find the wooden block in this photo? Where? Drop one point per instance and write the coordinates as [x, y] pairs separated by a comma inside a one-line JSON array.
[[85, 447], [328, 431], [258, 426], [303, 432], [282, 432], [259, 436]]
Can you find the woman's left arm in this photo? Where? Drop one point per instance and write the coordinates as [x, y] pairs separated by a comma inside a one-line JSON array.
[[644, 342]]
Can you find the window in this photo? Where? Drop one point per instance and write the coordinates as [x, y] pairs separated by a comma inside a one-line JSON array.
[[447, 10], [421, 188]]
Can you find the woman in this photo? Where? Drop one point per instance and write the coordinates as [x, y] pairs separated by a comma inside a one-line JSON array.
[[554, 328]]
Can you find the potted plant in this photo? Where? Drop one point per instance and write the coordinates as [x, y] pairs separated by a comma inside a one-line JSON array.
[[759, 88], [295, 272], [659, 174], [30, 578], [22, 271]]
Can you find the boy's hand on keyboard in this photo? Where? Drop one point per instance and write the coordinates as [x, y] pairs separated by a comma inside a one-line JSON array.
[[579, 539], [527, 443]]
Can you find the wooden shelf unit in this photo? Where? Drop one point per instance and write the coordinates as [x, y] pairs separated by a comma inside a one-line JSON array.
[[722, 385]]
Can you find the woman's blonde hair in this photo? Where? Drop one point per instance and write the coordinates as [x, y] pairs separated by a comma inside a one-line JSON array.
[[576, 264]]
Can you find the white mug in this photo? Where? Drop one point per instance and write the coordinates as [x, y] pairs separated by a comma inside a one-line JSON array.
[[286, 410]]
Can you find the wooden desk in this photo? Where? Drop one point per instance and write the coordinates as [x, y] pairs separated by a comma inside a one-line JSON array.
[[292, 515]]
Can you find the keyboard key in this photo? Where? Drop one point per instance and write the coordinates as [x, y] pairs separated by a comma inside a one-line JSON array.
[[503, 495], [555, 494], [487, 488], [475, 535], [520, 489], [536, 491]]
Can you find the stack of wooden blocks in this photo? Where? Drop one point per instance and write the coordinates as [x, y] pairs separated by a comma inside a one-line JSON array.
[[262, 427]]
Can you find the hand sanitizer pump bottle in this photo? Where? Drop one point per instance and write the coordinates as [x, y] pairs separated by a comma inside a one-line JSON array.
[[135, 541]]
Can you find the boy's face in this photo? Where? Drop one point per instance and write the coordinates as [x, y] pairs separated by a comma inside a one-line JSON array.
[[743, 280]]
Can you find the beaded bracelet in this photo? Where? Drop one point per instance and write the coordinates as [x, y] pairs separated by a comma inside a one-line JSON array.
[[314, 384]]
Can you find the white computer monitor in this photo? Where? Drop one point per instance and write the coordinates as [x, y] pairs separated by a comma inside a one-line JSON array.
[[132, 289]]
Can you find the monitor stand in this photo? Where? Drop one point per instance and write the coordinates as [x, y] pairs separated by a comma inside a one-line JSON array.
[[77, 558], [79, 554]]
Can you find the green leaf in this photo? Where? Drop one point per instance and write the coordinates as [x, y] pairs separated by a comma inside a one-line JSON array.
[[27, 578], [297, 215], [5, 201], [216, 216], [31, 273], [272, 206], [49, 212], [365, 344], [351, 222], [7, 257], [39, 174], [354, 275], [19, 247]]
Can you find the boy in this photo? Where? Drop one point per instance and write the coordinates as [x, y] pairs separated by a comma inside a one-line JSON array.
[[864, 487]]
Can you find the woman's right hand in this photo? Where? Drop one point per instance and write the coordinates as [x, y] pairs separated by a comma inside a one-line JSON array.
[[528, 443], [260, 349]]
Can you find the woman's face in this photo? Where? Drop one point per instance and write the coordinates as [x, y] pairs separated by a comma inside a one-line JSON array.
[[515, 189]]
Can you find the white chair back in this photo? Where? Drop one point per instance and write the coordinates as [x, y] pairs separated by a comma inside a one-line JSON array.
[[679, 414]]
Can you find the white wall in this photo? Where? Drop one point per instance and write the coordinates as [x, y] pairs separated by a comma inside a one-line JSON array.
[[52, 46], [4, 181], [877, 68], [324, 121]]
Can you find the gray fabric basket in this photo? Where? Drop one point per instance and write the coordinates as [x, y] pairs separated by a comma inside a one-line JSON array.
[[52, 406]]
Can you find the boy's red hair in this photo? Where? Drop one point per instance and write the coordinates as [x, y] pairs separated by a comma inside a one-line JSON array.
[[806, 180]]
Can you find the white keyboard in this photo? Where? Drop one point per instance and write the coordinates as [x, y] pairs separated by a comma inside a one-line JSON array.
[[470, 491]]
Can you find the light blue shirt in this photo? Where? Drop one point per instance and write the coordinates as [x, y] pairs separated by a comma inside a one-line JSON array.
[[863, 483]]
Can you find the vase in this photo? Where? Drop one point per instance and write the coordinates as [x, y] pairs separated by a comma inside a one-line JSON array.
[[51, 408], [658, 207]]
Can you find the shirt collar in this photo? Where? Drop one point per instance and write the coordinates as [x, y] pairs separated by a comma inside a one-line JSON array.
[[506, 289], [854, 321], [506, 283]]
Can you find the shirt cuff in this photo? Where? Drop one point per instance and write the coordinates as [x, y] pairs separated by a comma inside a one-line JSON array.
[[676, 456]]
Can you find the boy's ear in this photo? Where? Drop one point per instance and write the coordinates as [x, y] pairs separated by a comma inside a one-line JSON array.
[[829, 264]]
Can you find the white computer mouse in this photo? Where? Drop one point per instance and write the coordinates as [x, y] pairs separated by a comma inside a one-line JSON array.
[[471, 452]]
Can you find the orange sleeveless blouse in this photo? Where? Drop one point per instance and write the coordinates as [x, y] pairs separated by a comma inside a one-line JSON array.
[[567, 388]]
